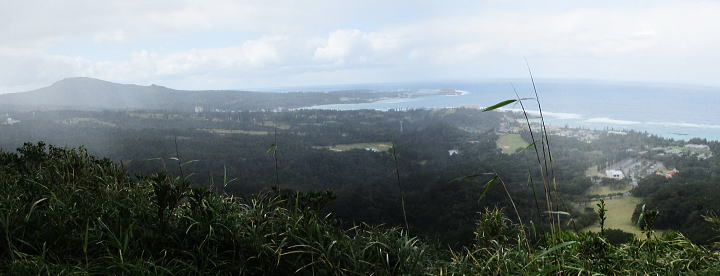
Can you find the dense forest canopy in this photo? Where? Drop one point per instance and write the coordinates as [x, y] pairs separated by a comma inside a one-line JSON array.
[[348, 153]]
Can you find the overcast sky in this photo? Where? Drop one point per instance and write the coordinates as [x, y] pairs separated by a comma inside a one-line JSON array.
[[218, 44]]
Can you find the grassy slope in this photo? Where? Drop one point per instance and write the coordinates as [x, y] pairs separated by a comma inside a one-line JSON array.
[[619, 212], [510, 143], [592, 171], [382, 146]]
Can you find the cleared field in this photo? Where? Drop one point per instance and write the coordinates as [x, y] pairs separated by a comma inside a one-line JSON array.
[[377, 147], [270, 124], [619, 215], [153, 115], [592, 171], [690, 150], [83, 120], [234, 131], [510, 143]]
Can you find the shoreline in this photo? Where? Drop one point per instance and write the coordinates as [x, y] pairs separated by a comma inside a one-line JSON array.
[[676, 130], [670, 130]]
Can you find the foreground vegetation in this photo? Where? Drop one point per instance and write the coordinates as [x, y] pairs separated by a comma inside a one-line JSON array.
[[63, 211]]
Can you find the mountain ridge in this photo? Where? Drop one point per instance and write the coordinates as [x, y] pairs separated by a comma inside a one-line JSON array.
[[83, 93]]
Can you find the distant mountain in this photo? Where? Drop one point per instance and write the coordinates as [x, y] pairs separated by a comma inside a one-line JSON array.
[[89, 93], [95, 94]]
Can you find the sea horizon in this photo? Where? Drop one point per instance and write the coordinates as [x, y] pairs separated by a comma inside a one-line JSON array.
[[671, 111]]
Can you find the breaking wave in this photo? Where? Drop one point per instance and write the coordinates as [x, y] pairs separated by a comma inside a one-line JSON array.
[[606, 120]]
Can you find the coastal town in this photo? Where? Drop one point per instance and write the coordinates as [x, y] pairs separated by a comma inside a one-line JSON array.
[[618, 167]]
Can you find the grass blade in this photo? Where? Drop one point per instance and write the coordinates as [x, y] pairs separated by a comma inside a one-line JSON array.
[[499, 105]]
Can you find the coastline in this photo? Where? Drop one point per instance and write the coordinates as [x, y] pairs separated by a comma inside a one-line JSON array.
[[677, 130]]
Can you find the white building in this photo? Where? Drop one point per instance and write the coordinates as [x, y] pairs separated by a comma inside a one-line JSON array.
[[615, 174], [697, 147], [453, 152], [10, 121], [199, 109]]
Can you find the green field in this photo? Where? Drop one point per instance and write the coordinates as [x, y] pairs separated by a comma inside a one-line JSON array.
[[278, 125], [592, 171], [619, 210], [619, 215], [510, 143], [381, 146], [75, 121], [235, 131]]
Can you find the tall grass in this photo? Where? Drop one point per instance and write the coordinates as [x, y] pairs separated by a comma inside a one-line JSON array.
[[400, 186], [66, 212], [274, 149], [543, 158]]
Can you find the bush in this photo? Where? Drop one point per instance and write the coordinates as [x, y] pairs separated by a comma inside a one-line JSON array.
[[618, 237]]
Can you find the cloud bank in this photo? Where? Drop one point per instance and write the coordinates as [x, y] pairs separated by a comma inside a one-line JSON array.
[[246, 44]]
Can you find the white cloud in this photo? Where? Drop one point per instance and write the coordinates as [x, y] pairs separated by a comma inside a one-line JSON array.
[[251, 55], [39, 23], [110, 37], [291, 42], [24, 68], [362, 47]]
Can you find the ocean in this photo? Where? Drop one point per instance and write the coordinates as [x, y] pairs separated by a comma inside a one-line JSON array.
[[672, 111]]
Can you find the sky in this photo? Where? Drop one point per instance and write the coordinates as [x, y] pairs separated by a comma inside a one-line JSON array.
[[226, 44]]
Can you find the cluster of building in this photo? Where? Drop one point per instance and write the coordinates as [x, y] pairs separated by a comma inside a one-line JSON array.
[[200, 109], [667, 173], [699, 151], [510, 124], [370, 149], [584, 135], [634, 168], [10, 121]]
